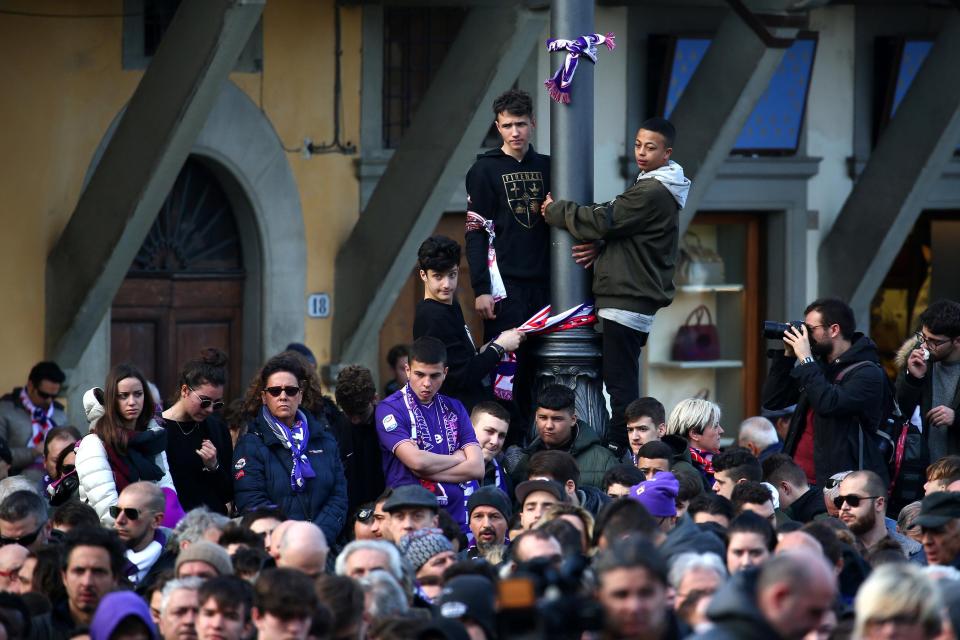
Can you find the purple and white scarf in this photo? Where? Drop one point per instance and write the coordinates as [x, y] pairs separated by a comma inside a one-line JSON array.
[[476, 222], [559, 83], [295, 439], [41, 420], [420, 429]]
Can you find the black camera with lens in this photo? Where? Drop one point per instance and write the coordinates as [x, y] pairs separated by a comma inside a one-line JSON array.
[[545, 600], [773, 330]]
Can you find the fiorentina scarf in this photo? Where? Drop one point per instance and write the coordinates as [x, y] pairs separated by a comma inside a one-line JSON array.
[[40, 419], [559, 83], [542, 322], [295, 439], [476, 222], [420, 433]]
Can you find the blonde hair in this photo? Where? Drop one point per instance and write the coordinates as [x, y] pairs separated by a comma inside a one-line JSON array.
[[692, 414], [894, 590], [554, 511]]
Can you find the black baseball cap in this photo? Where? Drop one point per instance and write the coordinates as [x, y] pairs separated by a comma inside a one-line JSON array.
[[937, 509], [550, 486], [410, 496]]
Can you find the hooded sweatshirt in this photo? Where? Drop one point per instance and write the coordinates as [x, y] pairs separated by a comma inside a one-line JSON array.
[[640, 231], [116, 607], [510, 194]]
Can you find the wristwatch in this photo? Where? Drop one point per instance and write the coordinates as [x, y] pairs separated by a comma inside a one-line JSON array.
[[500, 350], [807, 360]]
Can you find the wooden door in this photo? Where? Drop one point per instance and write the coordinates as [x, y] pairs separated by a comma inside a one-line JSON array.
[[184, 291]]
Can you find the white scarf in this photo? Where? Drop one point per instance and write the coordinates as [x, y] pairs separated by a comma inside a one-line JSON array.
[[671, 176], [144, 559]]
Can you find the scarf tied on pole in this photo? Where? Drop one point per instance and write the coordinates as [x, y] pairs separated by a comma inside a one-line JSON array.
[[541, 322], [559, 83]]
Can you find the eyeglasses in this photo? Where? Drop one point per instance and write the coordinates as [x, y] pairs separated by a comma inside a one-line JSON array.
[[206, 403], [129, 512], [45, 395], [930, 342], [852, 500], [23, 541], [276, 391]]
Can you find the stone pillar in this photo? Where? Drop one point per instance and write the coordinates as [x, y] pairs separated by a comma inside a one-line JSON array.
[[572, 358]]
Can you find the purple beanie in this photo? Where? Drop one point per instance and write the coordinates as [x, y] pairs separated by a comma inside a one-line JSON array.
[[659, 495]]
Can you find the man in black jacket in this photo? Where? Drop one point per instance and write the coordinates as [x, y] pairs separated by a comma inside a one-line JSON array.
[[785, 598], [831, 373], [931, 378], [439, 316], [798, 500], [356, 432]]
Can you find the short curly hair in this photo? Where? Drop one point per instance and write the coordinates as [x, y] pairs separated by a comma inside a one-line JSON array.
[[438, 253], [355, 389]]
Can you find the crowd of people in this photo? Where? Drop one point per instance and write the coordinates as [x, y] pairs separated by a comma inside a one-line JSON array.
[[436, 511]]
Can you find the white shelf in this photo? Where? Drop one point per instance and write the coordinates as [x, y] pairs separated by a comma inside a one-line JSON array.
[[711, 288], [697, 364]]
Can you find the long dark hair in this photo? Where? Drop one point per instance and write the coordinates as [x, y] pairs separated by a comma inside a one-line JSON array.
[[209, 368], [110, 427]]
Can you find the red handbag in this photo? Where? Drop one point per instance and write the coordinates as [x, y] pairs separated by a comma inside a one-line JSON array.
[[697, 339]]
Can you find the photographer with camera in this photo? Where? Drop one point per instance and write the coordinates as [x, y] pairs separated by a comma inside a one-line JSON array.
[[831, 373]]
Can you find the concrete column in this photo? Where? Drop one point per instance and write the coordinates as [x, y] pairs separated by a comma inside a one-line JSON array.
[[138, 168], [572, 357], [889, 195]]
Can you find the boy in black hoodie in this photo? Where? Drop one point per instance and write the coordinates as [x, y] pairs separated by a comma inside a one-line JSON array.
[[505, 191]]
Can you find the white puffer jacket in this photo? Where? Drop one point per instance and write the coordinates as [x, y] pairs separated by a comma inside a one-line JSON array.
[[97, 486]]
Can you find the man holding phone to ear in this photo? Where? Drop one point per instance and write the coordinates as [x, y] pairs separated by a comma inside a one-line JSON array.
[[931, 378]]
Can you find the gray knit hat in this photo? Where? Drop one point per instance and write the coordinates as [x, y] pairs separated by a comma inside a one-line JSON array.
[[419, 546], [203, 551]]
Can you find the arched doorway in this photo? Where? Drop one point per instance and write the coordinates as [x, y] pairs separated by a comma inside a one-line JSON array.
[[184, 290]]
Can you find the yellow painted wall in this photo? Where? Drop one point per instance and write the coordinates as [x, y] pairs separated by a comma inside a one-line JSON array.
[[64, 83]]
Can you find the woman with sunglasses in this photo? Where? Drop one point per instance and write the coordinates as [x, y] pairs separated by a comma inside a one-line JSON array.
[[125, 445], [199, 448], [288, 459]]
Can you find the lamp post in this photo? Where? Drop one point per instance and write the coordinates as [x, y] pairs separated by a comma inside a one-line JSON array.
[[572, 357]]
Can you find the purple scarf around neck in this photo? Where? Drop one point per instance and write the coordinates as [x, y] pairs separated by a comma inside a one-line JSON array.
[[295, 439]]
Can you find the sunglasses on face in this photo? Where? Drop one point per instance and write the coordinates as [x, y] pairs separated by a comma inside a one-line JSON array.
[[45, 395], [129, 512], [853, 501], [23, 541], [276, 391], [206, 403]]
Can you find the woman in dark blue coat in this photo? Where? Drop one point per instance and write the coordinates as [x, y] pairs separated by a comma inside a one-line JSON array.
[[287, 458]]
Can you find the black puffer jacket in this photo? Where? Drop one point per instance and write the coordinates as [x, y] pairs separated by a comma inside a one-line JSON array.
[[840, 410]]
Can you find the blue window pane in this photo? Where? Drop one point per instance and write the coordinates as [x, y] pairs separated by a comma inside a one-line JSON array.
[[914, 53], [687, 55], [777, 118]]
